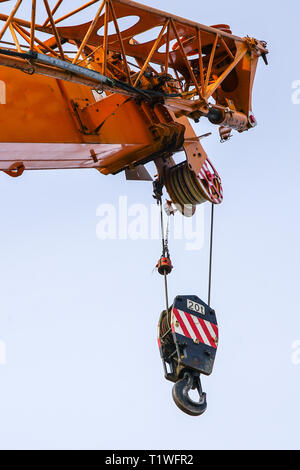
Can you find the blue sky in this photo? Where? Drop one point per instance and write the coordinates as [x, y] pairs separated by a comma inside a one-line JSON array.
[[79, 315]]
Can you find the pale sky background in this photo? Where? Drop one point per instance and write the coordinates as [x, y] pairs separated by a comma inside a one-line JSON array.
[[79, 315]]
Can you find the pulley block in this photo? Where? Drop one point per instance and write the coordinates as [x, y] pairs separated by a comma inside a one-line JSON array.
[[164, 266], [188, 190], [188, 340]]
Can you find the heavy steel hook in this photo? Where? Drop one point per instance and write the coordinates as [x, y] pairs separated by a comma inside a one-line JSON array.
[[190, 381]]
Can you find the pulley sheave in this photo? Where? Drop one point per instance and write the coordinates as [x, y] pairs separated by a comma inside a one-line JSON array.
[[188, 189]]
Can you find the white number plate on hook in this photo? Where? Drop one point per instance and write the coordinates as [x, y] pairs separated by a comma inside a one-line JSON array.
[[198, 308]]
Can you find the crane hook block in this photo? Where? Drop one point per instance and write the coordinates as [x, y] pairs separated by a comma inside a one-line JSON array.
[[164, 266], [188, 339]]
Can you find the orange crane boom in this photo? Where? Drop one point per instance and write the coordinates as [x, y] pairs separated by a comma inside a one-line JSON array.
[[92, 107]]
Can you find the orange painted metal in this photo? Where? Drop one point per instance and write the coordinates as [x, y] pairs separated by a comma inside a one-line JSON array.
[[192, 68]]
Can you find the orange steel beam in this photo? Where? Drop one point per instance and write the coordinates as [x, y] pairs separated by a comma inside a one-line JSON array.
[[89, 32], [32, 26], [211, 60], [26, 35], [185, 58], [83, 7], [178, 80], [178, 19], [201, 70], [241, 52], [9, 18], [106, 20], [14, 36], [27, 24], [54, 29], [154, 47], [120, 42], [53, 11], [167, 49], [227, 48]]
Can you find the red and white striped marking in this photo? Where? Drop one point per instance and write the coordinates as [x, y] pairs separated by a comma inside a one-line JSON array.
[[198, 330]]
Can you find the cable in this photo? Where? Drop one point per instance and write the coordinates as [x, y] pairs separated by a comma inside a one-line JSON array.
[[211, 252], [165, 251]]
